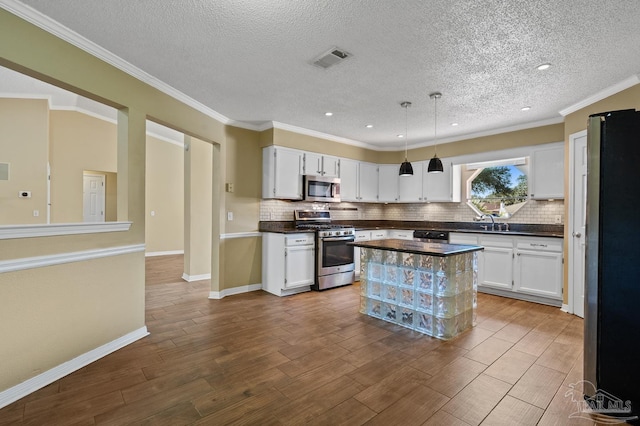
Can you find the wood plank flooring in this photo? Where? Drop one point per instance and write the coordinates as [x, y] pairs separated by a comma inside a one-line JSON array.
[[312, 358]]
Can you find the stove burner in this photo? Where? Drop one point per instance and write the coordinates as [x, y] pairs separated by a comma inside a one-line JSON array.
[[321, 226]]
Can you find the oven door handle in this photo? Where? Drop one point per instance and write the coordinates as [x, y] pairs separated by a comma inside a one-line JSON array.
[[339, 239]]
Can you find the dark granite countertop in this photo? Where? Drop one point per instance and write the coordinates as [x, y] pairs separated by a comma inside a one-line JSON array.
[[520, 229], [418, 247]]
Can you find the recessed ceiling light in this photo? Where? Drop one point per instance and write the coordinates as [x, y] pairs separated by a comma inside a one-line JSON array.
[[328, 114], [454, 124], [544, 66], [368, 126], [401, 136], [526, 108]]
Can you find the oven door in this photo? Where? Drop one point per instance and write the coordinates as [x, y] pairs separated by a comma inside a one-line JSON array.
[[334, 255]]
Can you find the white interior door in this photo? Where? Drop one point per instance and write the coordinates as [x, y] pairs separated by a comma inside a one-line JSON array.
[[93, 198], [578, 215]]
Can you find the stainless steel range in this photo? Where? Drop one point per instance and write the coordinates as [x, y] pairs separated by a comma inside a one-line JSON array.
[[334, 258]]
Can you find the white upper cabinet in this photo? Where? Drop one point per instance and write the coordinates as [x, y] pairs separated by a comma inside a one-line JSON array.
[[312, 164], [439, 187], [321, 165], [368, 182], [546, 179], [282, 173], [410, 187], [388, 183], [349, 180], [358, 181], [330, 166]]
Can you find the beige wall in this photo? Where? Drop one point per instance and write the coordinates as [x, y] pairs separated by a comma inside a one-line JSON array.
[[310, 143], [79, 143], [627, 99], [244, 171], [86, 303], [242, 257], [242, 262], [518, 138], [111, 197], [164, 196], [51, 315], [24, 135], [198, 207]]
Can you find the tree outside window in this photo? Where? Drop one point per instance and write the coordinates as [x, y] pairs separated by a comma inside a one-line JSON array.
[[498, 190]]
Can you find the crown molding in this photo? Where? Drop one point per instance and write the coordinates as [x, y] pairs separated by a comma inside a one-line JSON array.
[[609, 91], [497, 131], [55, 28], [316, 134]]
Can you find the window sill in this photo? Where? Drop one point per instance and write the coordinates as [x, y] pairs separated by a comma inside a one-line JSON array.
[[8, 232]]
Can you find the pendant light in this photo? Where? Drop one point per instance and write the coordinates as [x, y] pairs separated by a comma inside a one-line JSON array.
[[406, 169], [435, 165]]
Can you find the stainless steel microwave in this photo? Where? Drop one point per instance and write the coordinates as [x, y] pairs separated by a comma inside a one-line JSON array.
[[321, 188]]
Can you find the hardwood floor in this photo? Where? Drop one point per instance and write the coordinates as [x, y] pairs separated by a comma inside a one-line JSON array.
[[257, 359]]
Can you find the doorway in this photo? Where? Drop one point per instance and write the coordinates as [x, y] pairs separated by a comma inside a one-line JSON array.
[[577, 219], [93, 198]]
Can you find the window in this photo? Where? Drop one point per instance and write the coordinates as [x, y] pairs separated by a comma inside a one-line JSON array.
[[497, 188]]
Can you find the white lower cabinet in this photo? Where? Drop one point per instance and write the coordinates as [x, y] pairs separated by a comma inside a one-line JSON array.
[[360, 236], [400, 234], [538, 267], [288, 262], [528, 268], [379, 234], [495, 265]]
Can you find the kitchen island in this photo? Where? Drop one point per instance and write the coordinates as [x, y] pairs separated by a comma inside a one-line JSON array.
[[427, 287]]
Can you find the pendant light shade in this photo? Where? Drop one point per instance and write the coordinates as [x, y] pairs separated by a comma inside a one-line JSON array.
[[435, 165], [406, 169]]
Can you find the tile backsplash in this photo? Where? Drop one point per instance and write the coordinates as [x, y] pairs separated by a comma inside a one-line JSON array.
[[533, 212]]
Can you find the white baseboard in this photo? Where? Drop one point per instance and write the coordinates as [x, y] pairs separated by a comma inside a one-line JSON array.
[[163, 253], [234, 290], [41, 380], [190, 278], [565, 308]]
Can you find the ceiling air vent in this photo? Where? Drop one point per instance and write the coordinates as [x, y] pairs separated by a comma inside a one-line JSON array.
[[333, 56]]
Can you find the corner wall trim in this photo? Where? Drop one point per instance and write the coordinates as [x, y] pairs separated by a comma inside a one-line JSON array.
[[163, 253], [190, 278], [12, 265], [41, 380], [234, 290]]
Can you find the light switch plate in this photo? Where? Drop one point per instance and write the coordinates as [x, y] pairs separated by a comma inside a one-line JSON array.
[[229, 215]]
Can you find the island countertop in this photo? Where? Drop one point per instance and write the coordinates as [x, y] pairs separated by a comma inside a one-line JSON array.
[[418, 247]]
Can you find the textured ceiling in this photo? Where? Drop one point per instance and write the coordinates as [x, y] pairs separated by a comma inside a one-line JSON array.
[[249, 60]]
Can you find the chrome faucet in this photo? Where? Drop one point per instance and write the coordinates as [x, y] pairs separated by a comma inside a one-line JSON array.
[[493, 221]]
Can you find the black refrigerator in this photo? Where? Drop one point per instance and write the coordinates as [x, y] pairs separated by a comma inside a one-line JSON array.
[[612, 292]]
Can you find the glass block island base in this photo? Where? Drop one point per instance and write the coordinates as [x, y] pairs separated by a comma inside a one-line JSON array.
[[427, 287]]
